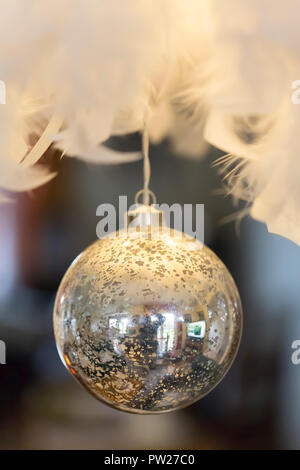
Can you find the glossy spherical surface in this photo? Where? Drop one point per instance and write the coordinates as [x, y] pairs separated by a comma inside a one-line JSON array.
[[148, 324]]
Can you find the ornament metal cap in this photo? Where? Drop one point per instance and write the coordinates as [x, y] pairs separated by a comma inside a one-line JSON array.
[[141, 215]]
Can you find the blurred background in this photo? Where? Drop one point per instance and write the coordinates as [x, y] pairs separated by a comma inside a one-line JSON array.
[[256, 406]]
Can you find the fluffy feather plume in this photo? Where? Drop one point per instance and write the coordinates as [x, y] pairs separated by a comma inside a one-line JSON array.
[[252, 115], [196, 71]]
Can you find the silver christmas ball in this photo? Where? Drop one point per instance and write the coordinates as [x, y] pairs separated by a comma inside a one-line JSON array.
[[148, 323]]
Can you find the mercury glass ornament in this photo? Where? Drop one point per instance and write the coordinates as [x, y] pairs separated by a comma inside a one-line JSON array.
[[148, 321]]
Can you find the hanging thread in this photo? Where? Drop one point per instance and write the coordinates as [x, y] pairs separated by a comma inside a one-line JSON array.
[[147, 167], [146, 192]]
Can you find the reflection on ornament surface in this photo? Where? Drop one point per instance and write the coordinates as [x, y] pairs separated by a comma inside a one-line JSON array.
[[148, 324]]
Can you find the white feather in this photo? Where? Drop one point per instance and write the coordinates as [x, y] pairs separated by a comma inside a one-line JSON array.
[[77, 72]]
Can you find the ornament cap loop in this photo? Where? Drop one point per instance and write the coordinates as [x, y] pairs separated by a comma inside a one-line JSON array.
[[142, 192]]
